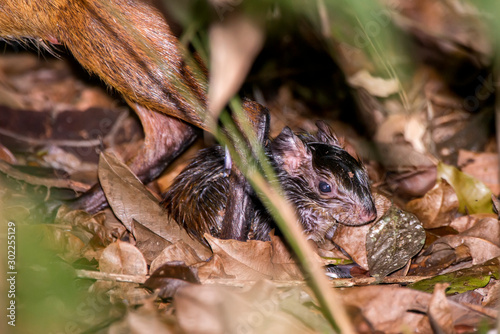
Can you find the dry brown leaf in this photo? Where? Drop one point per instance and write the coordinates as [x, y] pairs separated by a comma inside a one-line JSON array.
[[66, 244], [250, 260], [439, 311], [464, 223], [180, 251], [284, 264], [330, 251], [253, 260], [491, 295], [352, 239], [437, 256], [102, 234], [473, 246], [144, 320], [437, 208], [483, 240], [171, 276], [211, 309], [122, 258], [149, 243], [482, 166], [212, 269], [391, 309]]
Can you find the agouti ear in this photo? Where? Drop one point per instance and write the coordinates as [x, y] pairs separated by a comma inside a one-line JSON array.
[[326, 135], [290, 152]]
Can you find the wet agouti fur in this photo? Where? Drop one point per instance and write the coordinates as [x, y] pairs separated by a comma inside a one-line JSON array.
[[324, 183]]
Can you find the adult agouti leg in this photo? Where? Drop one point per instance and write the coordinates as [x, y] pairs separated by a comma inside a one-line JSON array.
[[126, 43]]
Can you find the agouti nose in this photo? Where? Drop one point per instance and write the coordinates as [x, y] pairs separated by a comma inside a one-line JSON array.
[[368, 214]]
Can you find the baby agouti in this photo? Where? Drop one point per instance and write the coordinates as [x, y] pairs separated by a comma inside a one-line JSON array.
[[324, 183]]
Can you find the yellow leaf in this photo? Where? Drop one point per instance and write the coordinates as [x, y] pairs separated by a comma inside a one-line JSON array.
[[473, 195]]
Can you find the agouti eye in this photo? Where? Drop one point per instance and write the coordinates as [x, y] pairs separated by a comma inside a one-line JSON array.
[[324, 187]]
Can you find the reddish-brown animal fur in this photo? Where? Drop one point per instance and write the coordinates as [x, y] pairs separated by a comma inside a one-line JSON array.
[[126, 43]]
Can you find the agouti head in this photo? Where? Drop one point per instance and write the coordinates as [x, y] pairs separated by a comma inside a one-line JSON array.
[[324, 182]]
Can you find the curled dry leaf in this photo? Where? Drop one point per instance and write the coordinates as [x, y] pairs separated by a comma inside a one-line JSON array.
[[392, 241], [149, 243], [436, 257], [475, 245], [352, 239], [130, 201], [212, 269], [66, 244], [437, 208], [102, 235], [122, 258]]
